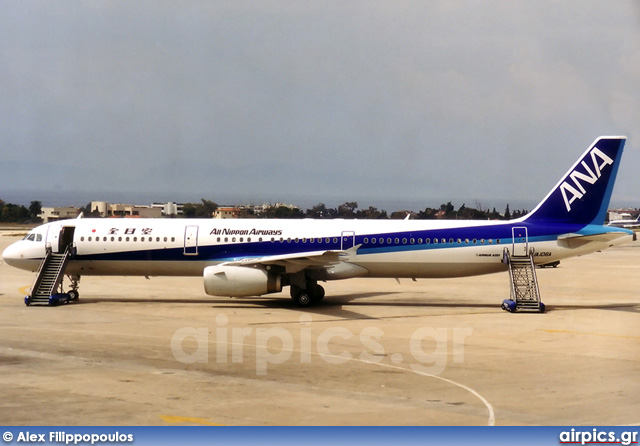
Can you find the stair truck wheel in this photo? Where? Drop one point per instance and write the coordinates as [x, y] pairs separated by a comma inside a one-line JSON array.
[[508, 305]]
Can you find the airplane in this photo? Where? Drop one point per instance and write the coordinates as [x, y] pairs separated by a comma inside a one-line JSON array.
[[254, 257], [629, 224]]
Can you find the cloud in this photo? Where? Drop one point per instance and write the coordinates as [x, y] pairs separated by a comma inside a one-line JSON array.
[[406, 99]]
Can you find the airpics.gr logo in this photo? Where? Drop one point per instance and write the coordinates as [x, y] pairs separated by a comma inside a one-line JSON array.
[[598, 160], [597, 436]]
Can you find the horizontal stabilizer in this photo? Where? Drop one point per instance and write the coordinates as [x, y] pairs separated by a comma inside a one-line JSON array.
[[578, 240]]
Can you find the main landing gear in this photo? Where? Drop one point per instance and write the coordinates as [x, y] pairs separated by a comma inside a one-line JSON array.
[[311, 294]]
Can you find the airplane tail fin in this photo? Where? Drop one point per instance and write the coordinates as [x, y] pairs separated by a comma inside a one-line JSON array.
[[582, 196]]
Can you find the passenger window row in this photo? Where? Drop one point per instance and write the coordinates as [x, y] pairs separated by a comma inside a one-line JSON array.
[[334, 240], [367, 240], [280, 240], [427, 241], [128, 239]]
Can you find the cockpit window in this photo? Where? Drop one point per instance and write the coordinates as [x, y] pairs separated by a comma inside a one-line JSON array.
[[33, 237]]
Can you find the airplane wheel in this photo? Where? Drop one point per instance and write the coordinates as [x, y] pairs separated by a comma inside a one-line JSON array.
[[304, 299], [317, 293], [73, 295]]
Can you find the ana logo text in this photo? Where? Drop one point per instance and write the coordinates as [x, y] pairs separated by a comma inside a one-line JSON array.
[[590, 175]]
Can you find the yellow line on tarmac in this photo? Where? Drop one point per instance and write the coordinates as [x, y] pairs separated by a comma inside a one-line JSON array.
[[172, 419], [591, 334], [23, 290]]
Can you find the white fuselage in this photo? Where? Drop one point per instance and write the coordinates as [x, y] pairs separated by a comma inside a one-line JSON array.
[[387, 248]]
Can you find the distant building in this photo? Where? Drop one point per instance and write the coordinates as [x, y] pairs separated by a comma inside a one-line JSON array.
[[265, 207], [106, 210], [226, 212], [58, 213], [623, 214], [169, 209]]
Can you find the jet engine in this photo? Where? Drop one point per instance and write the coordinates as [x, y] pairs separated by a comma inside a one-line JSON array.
[[240, 281]]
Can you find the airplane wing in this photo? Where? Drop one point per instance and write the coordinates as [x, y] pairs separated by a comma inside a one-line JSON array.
[[294, 263]]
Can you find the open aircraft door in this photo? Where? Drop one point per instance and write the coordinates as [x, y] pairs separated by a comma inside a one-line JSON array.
[[59, 237], [66, 238]]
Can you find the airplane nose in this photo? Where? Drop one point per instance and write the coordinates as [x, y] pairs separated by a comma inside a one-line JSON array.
[[12, 254], [24, 255]]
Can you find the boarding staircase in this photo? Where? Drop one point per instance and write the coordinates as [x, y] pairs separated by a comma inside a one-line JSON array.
[[49, 277], [525, 294]]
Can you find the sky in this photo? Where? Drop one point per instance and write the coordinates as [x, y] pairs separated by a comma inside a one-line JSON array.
[[381, 102]]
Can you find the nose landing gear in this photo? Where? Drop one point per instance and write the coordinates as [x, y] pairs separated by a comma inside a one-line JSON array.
[[73, 292]]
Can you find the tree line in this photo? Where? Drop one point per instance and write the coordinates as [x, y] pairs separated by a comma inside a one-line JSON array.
[[350, 210], [13, 213], [446, 211]]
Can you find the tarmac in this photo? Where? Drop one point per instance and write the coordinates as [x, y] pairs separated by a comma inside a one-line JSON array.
[[159, 351]]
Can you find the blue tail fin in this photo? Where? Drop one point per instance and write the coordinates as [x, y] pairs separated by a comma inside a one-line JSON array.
[[582, 196]]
